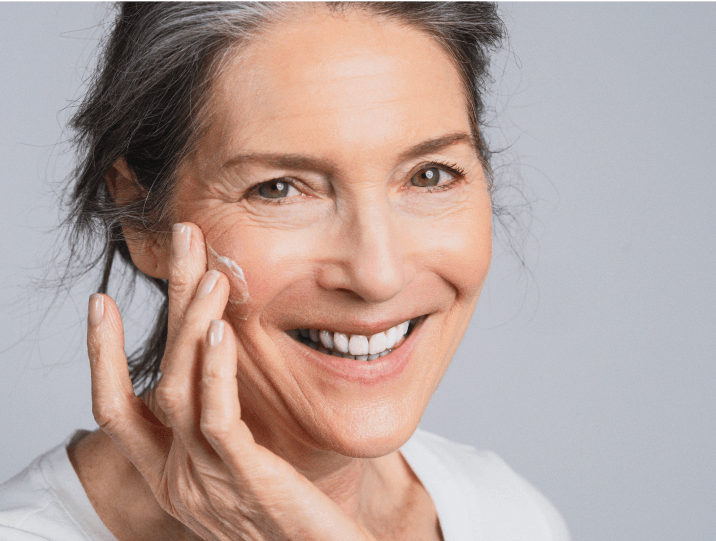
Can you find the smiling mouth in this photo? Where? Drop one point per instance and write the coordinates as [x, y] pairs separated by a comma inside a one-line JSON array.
[[356, 346]]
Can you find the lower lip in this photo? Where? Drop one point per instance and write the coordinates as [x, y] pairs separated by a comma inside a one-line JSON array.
[[364, 372]]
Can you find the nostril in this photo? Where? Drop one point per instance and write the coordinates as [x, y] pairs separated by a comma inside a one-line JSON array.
[[349, 293]]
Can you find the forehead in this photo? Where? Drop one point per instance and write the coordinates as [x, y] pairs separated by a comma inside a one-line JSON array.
[[331, 83]]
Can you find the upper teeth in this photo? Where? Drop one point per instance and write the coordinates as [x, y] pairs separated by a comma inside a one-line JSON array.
[[358, 345]]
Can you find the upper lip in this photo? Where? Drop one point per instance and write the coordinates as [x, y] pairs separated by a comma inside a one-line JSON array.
[[364, 328]]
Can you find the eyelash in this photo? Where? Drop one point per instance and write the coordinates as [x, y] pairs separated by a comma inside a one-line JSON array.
[[254, 191], [455, 170]]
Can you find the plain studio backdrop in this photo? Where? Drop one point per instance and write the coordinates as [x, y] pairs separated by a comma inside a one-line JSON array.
[[590, 370]]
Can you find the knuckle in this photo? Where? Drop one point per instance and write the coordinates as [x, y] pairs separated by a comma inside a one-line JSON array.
[[170, 397], [214, 374], [177, 284], [106, 414], [216, 429]]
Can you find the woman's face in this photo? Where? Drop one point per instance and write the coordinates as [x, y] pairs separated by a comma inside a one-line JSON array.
[[338, 172]]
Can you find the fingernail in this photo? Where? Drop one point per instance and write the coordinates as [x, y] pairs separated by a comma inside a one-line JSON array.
[[207, 283], [181, 241], [216, 332], [96, 309]]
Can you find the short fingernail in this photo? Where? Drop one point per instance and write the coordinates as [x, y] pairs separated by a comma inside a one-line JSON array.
[[216, 332], [181, 240], [96, 309], [207, 283]]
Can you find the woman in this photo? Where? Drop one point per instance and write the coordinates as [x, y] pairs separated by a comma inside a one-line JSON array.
[[308, 187]]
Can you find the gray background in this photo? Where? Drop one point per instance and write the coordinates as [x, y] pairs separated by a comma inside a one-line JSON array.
[[591, 371]]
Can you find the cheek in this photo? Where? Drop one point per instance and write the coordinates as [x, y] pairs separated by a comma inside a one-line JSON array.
[[459, 249], [268, 260]]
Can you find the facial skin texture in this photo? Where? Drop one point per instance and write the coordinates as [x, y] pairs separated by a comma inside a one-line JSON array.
[[355, 247], [351, 110]]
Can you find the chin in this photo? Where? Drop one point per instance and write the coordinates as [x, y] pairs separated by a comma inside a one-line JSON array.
[[369, 430]]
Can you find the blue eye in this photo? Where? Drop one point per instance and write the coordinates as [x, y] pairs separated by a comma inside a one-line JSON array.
[[430, 177]]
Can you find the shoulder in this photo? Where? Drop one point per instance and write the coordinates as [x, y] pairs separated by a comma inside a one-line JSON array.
[[46, 501], [498, 502]]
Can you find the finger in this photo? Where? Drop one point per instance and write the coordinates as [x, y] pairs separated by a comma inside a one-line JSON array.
[[221, 422], [187, 266], [178, 393], [118, 411]]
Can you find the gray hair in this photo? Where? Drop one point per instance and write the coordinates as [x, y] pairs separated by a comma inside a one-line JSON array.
[[147, 103]]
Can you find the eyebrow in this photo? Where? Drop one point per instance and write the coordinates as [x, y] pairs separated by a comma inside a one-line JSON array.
[[434, 145], [309, 163]]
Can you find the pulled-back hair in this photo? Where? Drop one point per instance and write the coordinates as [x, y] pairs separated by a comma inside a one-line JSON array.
[[147, 103]]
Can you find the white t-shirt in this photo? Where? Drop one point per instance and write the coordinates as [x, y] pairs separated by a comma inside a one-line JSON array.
[[477, 497]]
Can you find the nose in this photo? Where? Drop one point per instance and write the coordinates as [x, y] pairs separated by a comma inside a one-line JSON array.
[[369, 254]]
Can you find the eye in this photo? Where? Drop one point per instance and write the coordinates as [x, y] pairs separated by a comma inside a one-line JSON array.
[[430, 177], [276, 189]]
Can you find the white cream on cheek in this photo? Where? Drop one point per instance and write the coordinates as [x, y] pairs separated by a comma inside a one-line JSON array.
[[235, 276]]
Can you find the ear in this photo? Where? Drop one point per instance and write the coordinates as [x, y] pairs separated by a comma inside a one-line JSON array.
[[149, 254]]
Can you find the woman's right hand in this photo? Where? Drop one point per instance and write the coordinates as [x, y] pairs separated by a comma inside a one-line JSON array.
[[202, 462]]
